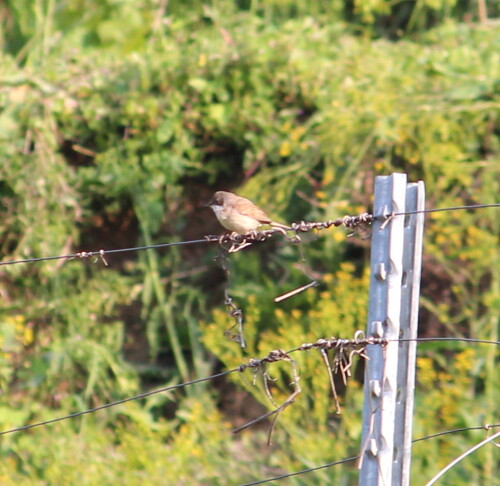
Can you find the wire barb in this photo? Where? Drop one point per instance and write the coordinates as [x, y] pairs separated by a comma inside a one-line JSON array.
[[237, 313], [350, 222], [272, 357], [344, 351]]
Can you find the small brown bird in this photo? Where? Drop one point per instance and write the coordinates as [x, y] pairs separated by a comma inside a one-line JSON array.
[[239, 214]]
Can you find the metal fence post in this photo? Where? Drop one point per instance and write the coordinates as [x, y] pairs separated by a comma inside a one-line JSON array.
[[390, 371], [410, 293]]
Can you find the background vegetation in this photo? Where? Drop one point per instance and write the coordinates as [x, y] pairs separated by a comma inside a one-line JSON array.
[[118, 121]]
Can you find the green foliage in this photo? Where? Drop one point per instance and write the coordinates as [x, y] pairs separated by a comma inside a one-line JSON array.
[[327, 315], [118, 119]]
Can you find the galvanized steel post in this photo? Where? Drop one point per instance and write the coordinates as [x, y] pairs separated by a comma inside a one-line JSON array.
[[392, 314]]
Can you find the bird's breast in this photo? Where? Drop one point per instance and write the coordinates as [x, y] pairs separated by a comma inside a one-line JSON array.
[[233, 220]]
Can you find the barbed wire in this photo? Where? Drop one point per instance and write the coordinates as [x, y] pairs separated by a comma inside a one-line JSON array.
[[238, 241], [340, 363], [303, 471], [118, 402], [455, 208], [360, 339], [486, 427], [437, 339], [355, 345], [84, 255]]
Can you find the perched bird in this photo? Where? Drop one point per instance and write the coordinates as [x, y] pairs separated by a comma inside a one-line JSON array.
[[239, 214]]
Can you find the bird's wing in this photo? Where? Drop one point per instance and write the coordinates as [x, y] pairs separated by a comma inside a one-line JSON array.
[[248, 208]]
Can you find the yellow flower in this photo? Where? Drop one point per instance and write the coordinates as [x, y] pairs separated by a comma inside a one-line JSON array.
[[285, 149]]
